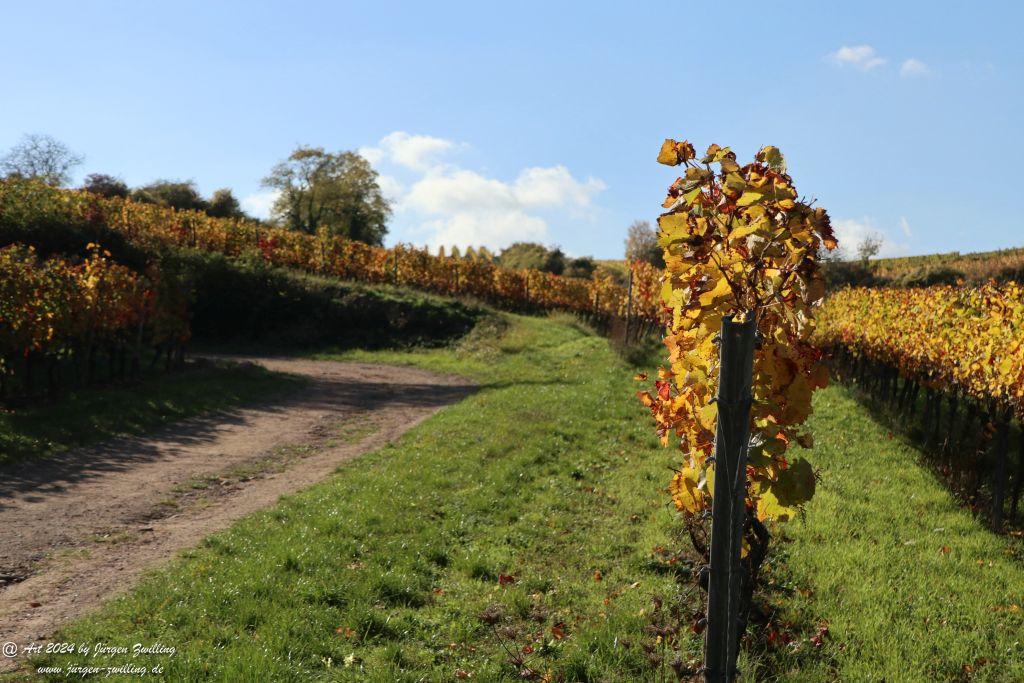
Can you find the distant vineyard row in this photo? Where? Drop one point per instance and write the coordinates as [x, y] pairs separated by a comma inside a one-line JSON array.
[[961, 347], [153, 227]]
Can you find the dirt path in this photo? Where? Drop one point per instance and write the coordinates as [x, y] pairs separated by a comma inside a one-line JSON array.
[[78, 529]]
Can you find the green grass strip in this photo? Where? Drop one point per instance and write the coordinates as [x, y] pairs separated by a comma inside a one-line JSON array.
[[911, 585]]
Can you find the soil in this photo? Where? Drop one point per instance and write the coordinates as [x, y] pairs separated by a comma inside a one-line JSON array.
[[78, 529]]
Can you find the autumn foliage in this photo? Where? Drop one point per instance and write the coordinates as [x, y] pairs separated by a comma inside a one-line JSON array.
[[56, 308], [738, 241], [961, 347], [965, 340], [153, 228]]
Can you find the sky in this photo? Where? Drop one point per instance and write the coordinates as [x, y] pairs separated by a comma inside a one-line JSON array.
[[491, 123]]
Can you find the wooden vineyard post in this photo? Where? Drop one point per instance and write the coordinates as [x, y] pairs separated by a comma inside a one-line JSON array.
[[731, 440], [629, 304], [1001, 472]]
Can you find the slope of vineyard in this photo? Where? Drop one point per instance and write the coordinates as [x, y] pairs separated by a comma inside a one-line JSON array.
[[975, 268], [153, 228]]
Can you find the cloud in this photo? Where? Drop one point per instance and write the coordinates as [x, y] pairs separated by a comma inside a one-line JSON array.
[[390, 187], [914, 67], [852, 232], [258, 204], [415, 152], [861, 57], [905, 227], [449, 205], [492, 229], [457, 191], [555, 186]]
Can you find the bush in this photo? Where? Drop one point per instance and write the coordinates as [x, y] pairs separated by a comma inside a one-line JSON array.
[[580, 267], [522, 255]]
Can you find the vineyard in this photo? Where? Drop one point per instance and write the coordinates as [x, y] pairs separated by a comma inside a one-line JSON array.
[[961, 348], [66, 311], [451, 343], [154, 228], [53, 312], [741, 253]]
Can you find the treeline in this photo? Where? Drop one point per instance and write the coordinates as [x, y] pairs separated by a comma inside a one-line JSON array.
[[951, 361]]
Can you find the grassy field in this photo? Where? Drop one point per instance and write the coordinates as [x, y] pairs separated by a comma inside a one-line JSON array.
[[911, 586], [91, 415], [517, 533]]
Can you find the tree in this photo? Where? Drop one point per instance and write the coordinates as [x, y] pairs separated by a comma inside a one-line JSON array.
[[869, 247], [521, 255], [642, 244], [582, 267], [224, 204], [105, 185], [176, 194], [337, 191], [41, 157]]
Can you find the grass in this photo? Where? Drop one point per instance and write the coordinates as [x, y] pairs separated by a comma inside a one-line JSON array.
[[534, 504], [88, 416], [528, 517], [910, 584]]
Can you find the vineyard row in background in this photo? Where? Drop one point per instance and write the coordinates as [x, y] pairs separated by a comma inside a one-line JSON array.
[[153, 227], [952, 360], [55, 313], [62, 313]]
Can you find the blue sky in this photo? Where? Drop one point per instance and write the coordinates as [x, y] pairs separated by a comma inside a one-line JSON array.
[[541, 120]]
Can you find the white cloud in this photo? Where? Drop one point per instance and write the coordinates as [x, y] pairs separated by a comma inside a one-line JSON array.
[[862, 57], [851, 232], [390, 187], [914, 67], [450, 205], [905, 226], [457, 191], [492, 229], [555, 186], [415, 152], [258, 204]]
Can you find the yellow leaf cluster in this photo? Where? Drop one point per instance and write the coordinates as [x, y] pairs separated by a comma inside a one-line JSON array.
[[738, 241]]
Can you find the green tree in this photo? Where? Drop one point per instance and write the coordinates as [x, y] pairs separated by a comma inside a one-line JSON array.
[[582, 267], [224, 204], [40, 157], [532, 255], [176, 194], [337, 191], [105, 185]]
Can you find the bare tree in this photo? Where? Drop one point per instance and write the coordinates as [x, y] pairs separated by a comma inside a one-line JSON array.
[[642, 244], [869, 247], [41, 157]]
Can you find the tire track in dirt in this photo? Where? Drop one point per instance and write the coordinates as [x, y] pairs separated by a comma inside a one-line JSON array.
[[78, 529]]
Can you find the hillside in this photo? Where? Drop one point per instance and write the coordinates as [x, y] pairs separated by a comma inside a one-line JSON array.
[[1002, 265]]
